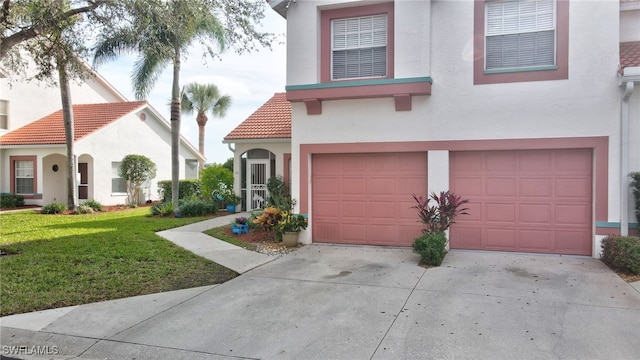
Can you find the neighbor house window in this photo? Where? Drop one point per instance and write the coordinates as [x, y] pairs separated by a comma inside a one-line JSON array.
[[191, 169], [520, 40], [357, 42], [4, 114], [359, 47], [118, 183], [24, 176]]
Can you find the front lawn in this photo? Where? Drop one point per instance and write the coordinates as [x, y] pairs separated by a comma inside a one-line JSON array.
[[62, 260]]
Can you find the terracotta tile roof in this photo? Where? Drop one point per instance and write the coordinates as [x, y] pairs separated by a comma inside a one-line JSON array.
[[271, 121], [88, 118], [629, 54]]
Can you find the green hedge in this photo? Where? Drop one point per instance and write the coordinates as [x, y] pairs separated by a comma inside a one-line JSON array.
[[187, 189], [432, 248], [622, 253], [11, 200]]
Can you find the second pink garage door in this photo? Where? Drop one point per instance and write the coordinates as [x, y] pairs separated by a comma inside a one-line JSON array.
[[366, 198], [525, 200]]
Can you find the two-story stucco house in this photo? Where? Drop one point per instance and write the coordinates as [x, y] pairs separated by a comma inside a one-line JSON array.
[[33, 161], [525, 107]]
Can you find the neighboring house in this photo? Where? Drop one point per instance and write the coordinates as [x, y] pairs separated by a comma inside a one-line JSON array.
[[33, 159], [262, 150], [523, 107]]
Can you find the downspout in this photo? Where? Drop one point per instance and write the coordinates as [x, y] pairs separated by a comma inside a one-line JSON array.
[[624, 160]]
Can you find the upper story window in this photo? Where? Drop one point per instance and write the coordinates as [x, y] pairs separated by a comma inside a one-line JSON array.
[[4, 114], [520, 40], [520, 34], [357, 43], [359, 47]]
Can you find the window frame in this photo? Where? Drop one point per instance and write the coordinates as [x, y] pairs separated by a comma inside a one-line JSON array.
[[113, 166], [4, 113], [536, 73], [326, 51], [13, 173]]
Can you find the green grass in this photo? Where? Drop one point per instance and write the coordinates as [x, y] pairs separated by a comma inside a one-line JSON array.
[[63, 260], [219, 233]]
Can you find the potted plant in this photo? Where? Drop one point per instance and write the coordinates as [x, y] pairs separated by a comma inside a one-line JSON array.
[[231, 200], [290, 226], [240, 226]]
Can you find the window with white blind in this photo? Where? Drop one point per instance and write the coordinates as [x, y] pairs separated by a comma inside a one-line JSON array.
[[359, 47], [4, 114], [520, 34], [118, 183], [24, 172]]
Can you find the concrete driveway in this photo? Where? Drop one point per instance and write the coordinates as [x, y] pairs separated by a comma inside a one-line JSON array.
[[353, 302]]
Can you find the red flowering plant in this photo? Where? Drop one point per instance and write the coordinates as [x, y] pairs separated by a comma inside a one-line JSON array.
[[439, 217]]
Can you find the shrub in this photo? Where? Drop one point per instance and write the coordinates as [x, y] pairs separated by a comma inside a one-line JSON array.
[[164, 209], [136, 169], [19, 200], [197, 208], [7, 201], [278, 193], [54, 208], [440, 217], [96, 206], [212, 177], [191, 188], [622, 253], [635, 189], [432, 247], [268, 220], [83, 209]]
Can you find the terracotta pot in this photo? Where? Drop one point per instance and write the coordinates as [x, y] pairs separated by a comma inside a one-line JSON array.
[[290, 239]]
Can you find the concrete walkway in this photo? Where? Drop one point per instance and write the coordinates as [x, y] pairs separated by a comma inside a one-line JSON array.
[[192, 238], [358, 302]]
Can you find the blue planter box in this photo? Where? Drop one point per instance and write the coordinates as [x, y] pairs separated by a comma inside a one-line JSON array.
[[231, 208], [240, 228]]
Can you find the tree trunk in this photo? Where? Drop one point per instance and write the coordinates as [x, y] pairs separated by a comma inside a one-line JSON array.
[[67, 114], [201, 119], [175, 129]]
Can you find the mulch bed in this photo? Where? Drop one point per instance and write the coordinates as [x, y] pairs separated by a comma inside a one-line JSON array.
[[264, 244]]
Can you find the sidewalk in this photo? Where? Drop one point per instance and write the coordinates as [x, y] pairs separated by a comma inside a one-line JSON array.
[[192, 238]]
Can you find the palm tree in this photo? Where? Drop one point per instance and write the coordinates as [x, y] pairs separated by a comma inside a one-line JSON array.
[[204, 98], [161, 32]]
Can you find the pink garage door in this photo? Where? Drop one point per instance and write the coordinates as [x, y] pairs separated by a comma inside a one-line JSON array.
[[529, 200], [366, 198]]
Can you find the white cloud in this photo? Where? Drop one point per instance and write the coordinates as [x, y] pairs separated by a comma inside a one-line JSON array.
[[250, 80]]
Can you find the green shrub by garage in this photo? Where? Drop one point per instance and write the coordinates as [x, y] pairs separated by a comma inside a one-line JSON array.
[[622, 253]]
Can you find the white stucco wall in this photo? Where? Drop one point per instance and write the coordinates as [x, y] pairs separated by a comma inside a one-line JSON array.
[[130, 135], [32, 100], [629, 24], [585, 105]]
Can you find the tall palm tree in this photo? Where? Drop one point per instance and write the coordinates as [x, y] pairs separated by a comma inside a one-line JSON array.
[[203, 98], [161, 32]]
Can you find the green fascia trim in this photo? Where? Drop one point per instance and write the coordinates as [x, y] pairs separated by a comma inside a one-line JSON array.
[[522, 69], [341, 84], [606, 224]]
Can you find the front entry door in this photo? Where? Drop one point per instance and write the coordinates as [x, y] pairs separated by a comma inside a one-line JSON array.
[[83, 184], [257, 176]]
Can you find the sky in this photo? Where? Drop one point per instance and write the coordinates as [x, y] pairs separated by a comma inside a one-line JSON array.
[[250, 79]]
